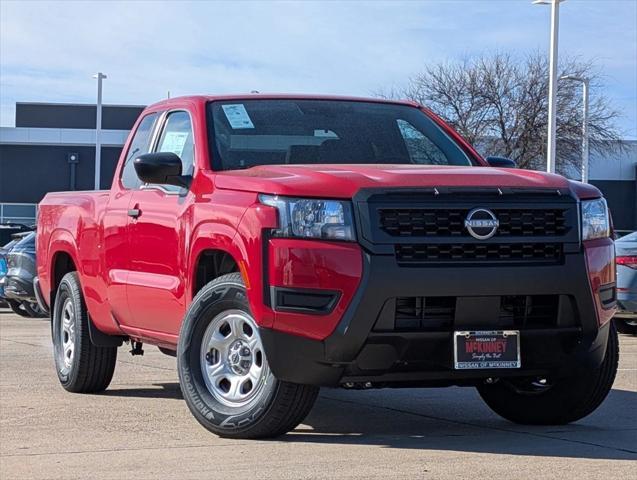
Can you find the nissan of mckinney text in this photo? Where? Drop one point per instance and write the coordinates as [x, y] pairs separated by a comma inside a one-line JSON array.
[[276, 244]]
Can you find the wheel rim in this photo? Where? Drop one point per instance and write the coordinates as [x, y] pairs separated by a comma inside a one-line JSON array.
[[67, 334], [232, 359]]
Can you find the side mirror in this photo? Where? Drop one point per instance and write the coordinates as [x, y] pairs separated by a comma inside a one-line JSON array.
[[162, 168], [501, 162]]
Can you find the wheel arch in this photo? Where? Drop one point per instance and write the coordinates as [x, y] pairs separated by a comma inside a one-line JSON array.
[[62, 260], [214, 252], [211, 263]]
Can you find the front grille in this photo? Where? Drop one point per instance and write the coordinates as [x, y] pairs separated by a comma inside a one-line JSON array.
[[470, 252], [424, 312], [515, 311], [529, 310], [427, 226], [423, 222]]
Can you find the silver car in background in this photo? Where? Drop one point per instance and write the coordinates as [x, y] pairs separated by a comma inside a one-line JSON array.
[[626, 250]]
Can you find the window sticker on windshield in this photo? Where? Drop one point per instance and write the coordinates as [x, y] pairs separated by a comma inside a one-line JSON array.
[[174, 142], [237, 116]]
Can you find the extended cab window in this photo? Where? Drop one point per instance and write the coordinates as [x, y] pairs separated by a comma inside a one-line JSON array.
[[250, 132], [177, 138], [139, 145]]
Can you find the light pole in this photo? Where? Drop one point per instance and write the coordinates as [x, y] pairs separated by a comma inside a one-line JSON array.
[[98, 130], [585, 84], [555, 25]]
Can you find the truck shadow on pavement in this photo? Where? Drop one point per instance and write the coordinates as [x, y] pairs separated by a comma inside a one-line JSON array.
[[457, 419], [166, 390], [448, 419]]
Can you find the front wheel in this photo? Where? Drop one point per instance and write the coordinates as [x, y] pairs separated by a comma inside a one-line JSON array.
[[224, 373], [546, 401]]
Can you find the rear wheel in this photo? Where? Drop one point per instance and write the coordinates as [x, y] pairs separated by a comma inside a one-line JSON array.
[[543, 401], [81, 366], [224, 372]]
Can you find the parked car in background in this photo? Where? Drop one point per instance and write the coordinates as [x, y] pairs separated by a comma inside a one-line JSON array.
[[18, 281], [626, 251], [4, 249], [3, 272], [9, 230]]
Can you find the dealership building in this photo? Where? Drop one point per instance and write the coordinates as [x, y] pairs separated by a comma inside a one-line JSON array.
[[52, 148]]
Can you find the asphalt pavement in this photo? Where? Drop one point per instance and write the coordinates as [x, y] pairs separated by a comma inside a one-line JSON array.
[[140, 428]]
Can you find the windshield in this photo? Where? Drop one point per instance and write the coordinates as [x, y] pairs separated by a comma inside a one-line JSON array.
[[247, 133]]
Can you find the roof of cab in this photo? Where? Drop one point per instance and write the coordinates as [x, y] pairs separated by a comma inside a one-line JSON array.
[[274, 96]]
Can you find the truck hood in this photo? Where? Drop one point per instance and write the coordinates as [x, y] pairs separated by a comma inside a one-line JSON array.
[[343, 181]]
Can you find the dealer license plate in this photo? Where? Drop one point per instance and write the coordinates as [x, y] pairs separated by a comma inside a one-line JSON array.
[[486, 349]]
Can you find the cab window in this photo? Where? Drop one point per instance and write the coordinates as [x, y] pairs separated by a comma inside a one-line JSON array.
[[177, 138], [139, 146]]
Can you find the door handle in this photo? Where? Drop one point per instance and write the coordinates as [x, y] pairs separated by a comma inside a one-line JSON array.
[[134, 212]]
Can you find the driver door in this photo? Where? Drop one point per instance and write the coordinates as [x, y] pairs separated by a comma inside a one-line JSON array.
[[159, 238]]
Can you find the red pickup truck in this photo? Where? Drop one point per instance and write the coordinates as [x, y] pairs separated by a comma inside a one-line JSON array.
[[278, 244]]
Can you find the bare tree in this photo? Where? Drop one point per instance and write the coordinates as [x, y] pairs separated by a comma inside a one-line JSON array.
[[500, 105]]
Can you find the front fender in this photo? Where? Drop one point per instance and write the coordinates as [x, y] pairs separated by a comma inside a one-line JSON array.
[[210, 236], [244, 245]]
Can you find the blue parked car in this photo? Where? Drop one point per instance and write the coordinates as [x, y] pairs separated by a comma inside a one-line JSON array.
[[3, 272], [626, 251], [17, 282], [4, 268]]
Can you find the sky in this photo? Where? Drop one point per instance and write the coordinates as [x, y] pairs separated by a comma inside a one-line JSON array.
[[50, 50]]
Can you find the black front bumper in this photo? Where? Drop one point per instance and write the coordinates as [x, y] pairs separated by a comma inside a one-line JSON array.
[[365, 348]]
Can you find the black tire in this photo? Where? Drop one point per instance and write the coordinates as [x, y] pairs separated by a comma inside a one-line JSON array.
[[19, 309], [276, 409], [34, 310], [624, 327], [90, 368], [566, 400]]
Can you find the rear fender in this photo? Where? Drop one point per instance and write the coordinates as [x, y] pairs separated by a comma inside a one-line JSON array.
[[62, 242]]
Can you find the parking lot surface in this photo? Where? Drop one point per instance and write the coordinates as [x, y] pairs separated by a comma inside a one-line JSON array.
[[141, 428]]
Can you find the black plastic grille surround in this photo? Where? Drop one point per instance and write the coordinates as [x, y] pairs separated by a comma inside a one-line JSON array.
[[503, 252], [429, 222]]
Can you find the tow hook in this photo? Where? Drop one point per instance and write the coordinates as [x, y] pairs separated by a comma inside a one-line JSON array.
[[137, 348]]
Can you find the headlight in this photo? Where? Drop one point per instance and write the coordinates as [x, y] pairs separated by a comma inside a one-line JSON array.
[[595, 222], [312, 218]]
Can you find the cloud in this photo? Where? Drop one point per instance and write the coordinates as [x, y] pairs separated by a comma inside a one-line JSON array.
[[49, 50]]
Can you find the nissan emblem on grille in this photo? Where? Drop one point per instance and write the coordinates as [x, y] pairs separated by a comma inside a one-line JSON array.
[[481, 223]]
